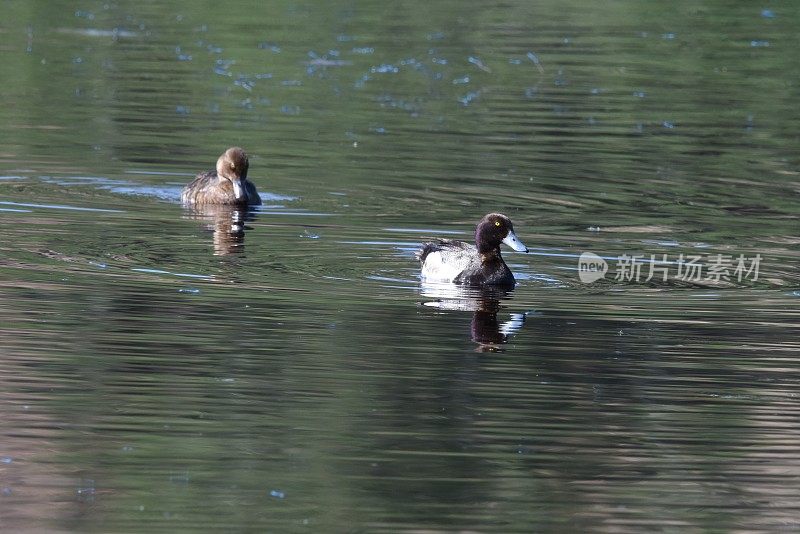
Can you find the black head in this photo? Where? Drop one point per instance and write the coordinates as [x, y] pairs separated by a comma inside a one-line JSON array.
[[493, 229]]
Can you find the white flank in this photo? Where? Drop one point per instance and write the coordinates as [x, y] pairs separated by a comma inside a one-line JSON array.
[[436, 269]]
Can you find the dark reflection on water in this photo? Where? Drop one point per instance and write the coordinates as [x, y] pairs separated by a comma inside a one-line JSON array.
[[283, 369], [484, 303], [226, 223]]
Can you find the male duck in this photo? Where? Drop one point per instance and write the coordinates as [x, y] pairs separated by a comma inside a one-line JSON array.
[[476, 265]]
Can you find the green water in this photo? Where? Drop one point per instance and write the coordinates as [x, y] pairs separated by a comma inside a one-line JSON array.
[[159, 373]]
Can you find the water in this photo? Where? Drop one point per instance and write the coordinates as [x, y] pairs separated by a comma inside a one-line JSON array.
[[284, 370]]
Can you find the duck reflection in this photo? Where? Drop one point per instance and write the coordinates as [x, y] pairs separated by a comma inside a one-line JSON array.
[[226, 222], [485, 304]]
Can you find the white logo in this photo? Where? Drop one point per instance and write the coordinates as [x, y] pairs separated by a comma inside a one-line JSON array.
[[591, 267]]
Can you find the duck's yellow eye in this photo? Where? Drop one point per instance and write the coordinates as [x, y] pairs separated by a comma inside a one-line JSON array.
[[233, 166], [497, 223]]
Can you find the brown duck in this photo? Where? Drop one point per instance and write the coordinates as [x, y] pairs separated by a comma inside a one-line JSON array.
[[227, 184]]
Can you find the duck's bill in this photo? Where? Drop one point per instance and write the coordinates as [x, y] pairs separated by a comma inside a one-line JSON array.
[[238, 189], [512, 241]]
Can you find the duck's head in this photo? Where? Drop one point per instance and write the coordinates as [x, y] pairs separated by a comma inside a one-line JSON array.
[[232, 167], [496, 228]]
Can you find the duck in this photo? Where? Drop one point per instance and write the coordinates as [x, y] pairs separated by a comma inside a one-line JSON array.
[[480, 264], [227, 184]]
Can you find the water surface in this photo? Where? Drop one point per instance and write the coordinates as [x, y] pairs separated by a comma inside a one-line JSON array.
[[283, 369]]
